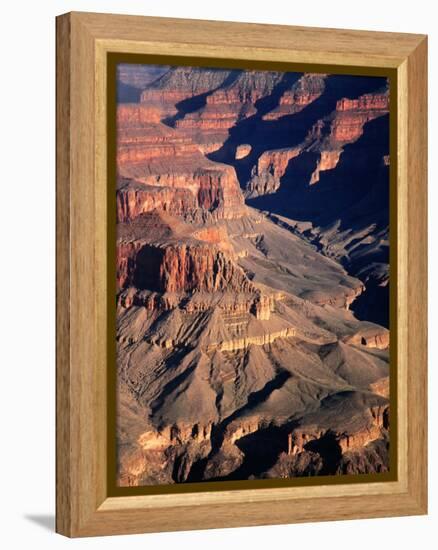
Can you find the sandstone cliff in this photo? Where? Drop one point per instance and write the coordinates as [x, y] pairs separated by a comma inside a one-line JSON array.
[[304, 92], [159, 167]]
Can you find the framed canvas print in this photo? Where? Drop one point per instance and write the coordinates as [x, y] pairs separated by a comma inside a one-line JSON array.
[[241, 274]]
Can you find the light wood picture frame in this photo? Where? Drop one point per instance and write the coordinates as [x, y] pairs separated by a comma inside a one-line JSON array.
[[85, 504]]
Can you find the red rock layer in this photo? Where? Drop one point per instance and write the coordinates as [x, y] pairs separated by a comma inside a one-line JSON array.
[[225, 106], [134, 199], [181, 84], [352, 114], [135, 115], [327, 161], [212, 190], [326, 138], [346, 126], [140, 139], [169, 171], [219, 189], [247, 88], [125, 263], [271, 166], [308, 88], [366, 102], [276, 160], [185, 267], [212, 234]]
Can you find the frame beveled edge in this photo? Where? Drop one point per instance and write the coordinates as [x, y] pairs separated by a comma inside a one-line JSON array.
[[83, 508]]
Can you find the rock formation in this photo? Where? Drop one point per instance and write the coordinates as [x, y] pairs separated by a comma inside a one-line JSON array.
[[304, 92], [251, 231], [160, 168]]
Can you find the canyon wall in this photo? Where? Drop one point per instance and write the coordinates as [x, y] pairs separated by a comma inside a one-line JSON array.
[[251, 226]]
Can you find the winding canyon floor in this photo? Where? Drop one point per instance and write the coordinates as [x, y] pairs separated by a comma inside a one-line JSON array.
[[253, 275]]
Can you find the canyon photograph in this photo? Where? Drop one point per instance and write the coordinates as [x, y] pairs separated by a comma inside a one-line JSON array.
[[252, 267]]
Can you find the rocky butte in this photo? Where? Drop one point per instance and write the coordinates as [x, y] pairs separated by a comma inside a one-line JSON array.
[[252, 275]]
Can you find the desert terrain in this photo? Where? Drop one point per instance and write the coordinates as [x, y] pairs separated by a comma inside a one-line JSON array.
[[252, 275]]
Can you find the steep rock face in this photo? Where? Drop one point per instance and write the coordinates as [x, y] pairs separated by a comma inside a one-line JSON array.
[[245, 90], [345, 126], [325, 139], [371, 338], [211, 118], [135, 115], [352, 114], [157, 230], [140, 139], [125, 262], [134, 199], [237, 344], [373, 422], [166, 455], [263, 307], [219, 190], [158, 156], [308, 88], [180, 84], [203, 191], [183, 268], [234, 100], [366, 103], [271, 166], [173, 435], [357, 441], [328, 160]]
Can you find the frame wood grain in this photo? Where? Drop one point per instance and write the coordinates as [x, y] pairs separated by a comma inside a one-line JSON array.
[[83, 41]]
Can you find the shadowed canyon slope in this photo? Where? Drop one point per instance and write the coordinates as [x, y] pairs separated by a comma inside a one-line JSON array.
[[252, 275]]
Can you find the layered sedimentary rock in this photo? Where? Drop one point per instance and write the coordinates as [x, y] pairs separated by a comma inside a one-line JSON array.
[[142, 138], [235, 100], [134, 199], [239, 353], [184, 267], [328, 160], [158, 167], [308, 88], [371, 338], [182, 84], [346, 125], [270, 167], [133, 120], [325, 139], [355, 442], [351, 433], [233, 356], [339, 184]]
